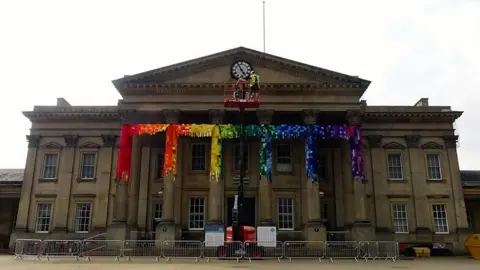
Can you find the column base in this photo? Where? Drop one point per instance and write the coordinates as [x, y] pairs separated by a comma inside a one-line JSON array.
[[315, 231], [117, 231], [165, 231], [363, 231]]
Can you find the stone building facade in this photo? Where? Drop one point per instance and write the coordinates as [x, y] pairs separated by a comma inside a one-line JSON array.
[[413, 192]]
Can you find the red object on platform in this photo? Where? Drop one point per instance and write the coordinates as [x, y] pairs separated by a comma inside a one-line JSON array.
[[249, 234], [241, 96]]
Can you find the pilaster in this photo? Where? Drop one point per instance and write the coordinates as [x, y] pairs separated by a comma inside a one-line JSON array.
[[65, 179], [419, 187], [27, 185], [456, 182], [265, 191], [104, 175]]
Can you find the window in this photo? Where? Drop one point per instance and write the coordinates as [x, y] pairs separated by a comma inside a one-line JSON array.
[[157, 214], [395, 171], [44, 214], [324, 213], [469, 219], [433, 167], [198, 156], [284, 158], [196, 214], [50, 166], [400, 219], [322, 168], [285, 213], [440, 218], [83, 214], [160, 161], [88, 165], [236, 150]]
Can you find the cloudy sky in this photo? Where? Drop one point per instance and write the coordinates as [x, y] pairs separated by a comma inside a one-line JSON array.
[[73, 49]]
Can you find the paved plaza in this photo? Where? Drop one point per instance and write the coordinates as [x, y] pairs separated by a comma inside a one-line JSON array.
[[462, 263]]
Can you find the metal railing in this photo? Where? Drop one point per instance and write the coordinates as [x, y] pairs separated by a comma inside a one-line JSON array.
[[195, 250]]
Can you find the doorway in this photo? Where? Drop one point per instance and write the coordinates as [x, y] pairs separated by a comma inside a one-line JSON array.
[[248, 211]]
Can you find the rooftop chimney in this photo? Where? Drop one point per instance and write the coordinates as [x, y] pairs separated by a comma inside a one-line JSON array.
[[423, 102], [61, 102]]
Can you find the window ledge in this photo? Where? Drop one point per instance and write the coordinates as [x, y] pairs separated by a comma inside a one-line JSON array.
[[443, 181], [87, 180], [442, 233], [400, 181], [48, 180], [159, 179], [284, 172]]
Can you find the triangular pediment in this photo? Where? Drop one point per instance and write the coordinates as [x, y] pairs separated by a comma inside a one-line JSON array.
[[216, 69], [90, 145], [431, 145], [393, 145], [52, 145]]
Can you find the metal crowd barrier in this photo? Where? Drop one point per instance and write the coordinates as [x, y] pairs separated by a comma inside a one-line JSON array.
[[367, 250]]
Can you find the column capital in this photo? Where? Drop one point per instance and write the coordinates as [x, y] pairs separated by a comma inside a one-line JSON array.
[[33, 141], [109, 140], [265, 116], [71, 140], [374, 141], [354, 117], [450, 141], [310, 116], [216, 116], [171, 116], [412, 141]]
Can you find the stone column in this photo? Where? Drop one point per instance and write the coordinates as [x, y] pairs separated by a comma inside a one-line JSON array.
[[265, 193], [65, 178], [24, 207], [419, 189], [134, 183], [463, 231], [362, 227], [166, 227], [314, 229], [144, 184], [215, 194]]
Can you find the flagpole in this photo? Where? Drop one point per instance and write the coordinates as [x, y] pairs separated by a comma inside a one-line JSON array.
[[263, 26]]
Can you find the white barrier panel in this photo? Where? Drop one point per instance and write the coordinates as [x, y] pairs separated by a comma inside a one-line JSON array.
[[386, 250], [234, 250], [102, 248], [61, 248], [304, 250], [142, 248], [183, 249], [273, 250], [341, 250], [28, 248]]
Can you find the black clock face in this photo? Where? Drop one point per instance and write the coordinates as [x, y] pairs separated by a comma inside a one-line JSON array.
[[240, 69]]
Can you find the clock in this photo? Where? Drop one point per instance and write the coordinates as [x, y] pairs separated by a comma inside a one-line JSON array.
[[240, 69]]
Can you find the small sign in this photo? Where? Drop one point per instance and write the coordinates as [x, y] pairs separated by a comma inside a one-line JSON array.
[[214, 236], [267, 236]]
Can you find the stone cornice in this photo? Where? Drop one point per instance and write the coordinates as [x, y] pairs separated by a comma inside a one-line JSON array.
[[153, 88], [89, 116], [411, 116]]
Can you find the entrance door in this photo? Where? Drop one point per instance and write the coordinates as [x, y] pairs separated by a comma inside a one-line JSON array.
[[248, 217]]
